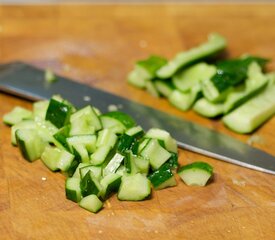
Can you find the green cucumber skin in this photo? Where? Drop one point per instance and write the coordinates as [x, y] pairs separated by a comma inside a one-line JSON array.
[[124, 118], [89, 185], [62, 135], [73, 194], [125, 143], [197, 165], [113, 186], [160, 176], [58, 113]]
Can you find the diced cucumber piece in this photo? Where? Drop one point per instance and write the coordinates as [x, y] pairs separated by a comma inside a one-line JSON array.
[[17, 115], [255, 83], [40, 109], [136, 132], [81, 151], [169, 142], [135, 78], [114, 164], [106, 137], [122, 117], [88, 140], [151, 89], [125, 143], [121, 171], [172, 162], [129, 163], [57, 159], [89, 184], [62, 134], [164, 87], [91, 203], [252, 113], [85, 121], [110, 184], [58, 113], [96, 170], [214, 44], [191, 76], [142, 144], [113, 124], [162, 178], [196, 174], [134, 188], [208, 109], [72, 189], [142, 164], [100, 154], [185, 100], [31, 145], [26, 124], [77, 170], [156, 154], [46, 130]]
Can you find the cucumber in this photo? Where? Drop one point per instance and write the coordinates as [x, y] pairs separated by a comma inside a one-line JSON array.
[[255, 83], [122, 117], [253, 113], [214, 44], [110, 184], [58, 113], [72, 189], [134, 188], [229, 74], [162, 178], [191, 76], [96, 170], [40, 109], [136, 132], [114, 164], [57, 159], [17, 115], [196, 174], [185, 100], [88, 140], [151, 89], [164, 87], [100, 154], [142, 164], [106, 137], [136, 78], [62, 134], [156, 154], [208, 109], [77, 170], [89, 184], [31, 145], [25, 124], [129, 163], [169, 142], [81, 152], [91, 203]]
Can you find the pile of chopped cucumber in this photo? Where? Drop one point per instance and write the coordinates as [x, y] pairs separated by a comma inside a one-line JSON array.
[[237, 90], [100, 154]]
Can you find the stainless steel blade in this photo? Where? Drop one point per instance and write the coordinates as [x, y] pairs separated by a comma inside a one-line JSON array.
[[28, 82]]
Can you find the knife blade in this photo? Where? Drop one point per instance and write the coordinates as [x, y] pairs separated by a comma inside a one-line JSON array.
[[28, 82]]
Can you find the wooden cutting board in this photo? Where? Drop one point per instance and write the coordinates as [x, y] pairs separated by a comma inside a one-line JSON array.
[[98, 45]]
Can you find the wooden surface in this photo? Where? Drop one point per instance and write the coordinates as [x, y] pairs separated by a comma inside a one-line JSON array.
[[98, 45]]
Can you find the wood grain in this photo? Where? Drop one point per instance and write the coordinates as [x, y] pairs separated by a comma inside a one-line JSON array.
[[98, 45]]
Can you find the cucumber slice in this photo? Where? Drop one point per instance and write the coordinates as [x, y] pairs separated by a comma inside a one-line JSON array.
[[106, 137], [40, 109], [88, 140], [110, 184], [193, 75], [31, 145], [162, 178], [17, 115], [61, 136], [57, 159], [96, 170], [196, 174], [214, 44], [185, 100], [129, 163], [91, 203], [113, 124], [81, 151], [164, 87], [100, 154], [208, 109], [156, 154], [136, 132], [72, 189], [89, 184], [169, 142], [134, 188], [125, 143], [142, 164], [136, 79], [151, 89], [114, 164], [26, 124], [77, 170], [253, 113], [122, 117], [58, 113]]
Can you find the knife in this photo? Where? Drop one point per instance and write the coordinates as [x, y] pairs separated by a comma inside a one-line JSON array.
[[28, 82]]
